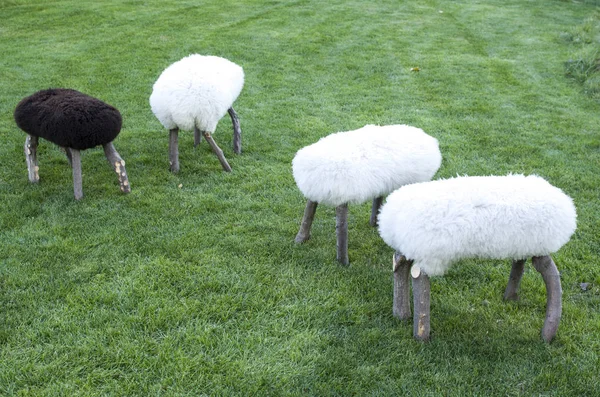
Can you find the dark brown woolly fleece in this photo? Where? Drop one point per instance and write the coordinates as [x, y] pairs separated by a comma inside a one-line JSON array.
[[68, 118]]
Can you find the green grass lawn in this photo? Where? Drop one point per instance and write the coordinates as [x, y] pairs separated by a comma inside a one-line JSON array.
[[192, 283], [584, 66]]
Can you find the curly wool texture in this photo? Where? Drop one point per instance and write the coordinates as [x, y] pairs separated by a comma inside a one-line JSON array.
[[497, 217], [356, 166], [68, 118], [196, 91]]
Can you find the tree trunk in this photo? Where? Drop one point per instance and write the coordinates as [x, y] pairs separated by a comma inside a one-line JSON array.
[[174, 150], [217, 150], [375, 210], [119, 166], [31, 144], [421, 302], [545, 265], [77, 186], [307, 220], [341, 229], [401, 308], [197, 137], [512, 288], [237, 131]]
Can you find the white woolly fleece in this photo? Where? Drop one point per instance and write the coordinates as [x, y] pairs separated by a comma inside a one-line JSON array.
[[356, 166], [196, 91], [498, 217]]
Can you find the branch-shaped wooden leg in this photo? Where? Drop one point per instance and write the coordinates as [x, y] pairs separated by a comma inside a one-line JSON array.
[[341, 231], [197, 137], [77, 187], [512, 288], [217, 150], [421, 302], [307, 220], [237, 131], [119, 166], [68, 154], [377, 201], [401, 266], [174, 150], [31, 144], [545, 265]]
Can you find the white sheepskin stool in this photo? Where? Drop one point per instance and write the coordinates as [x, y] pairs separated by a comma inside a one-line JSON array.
[[194, 94], [360, 165], [434, 224]]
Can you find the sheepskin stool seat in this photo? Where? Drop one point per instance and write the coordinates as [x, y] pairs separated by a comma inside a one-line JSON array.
[[434, 224], [194, 94], [73, 121], [360, 165]]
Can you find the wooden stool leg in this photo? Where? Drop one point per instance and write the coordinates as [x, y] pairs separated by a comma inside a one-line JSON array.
[[545, 265], [421, 302], [77, 187], [217, 150], [512, 288], [31, 144], [174, 150], [377, 201], [197, 137], [402, 266], [307, 220], [118, 165], [68, 154], [237, 131], [341, 229]]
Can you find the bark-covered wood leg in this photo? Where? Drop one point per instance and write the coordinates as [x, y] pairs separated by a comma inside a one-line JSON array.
[[401, 266], [545, 265], [237, 131], [31, 144], [119, 166], [217, 150], [68, 154], [341, 231], [377, 201], [197, 137], [174, 150], [307, 220], [77, 186], [421, 303], [512, 288]]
